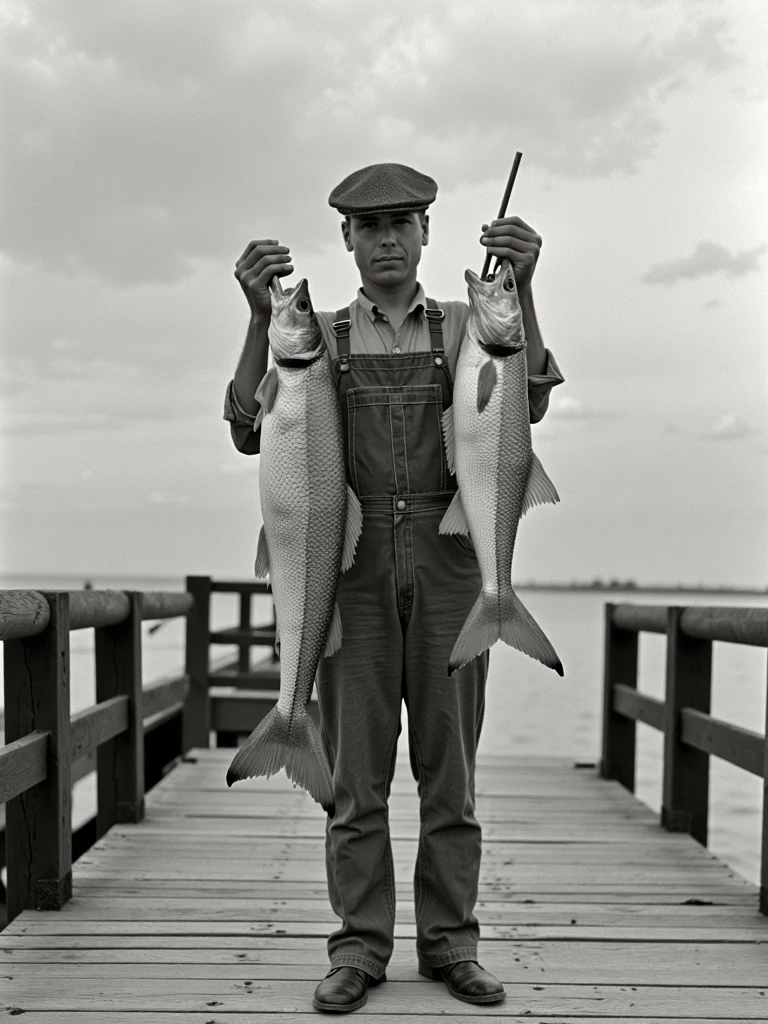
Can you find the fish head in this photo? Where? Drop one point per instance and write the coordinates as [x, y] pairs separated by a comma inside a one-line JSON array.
[[293, 329], [495, 316]]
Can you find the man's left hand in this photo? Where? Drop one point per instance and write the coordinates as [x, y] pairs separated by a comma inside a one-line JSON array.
[[511, 238]]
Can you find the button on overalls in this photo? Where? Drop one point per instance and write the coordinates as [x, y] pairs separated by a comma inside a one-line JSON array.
[[402, 606]]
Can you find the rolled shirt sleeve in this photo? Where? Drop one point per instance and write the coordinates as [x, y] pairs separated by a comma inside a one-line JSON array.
[[539, 387], [244, 437]]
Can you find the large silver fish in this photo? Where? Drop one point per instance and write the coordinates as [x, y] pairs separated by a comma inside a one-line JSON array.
[[312, 521], [488, 444]]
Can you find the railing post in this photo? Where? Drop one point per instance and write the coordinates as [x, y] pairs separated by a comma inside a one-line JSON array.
[[39, 822], [120, 762], [244, 654], [197, 713], [620, 666], [685, 794], [764, 856]]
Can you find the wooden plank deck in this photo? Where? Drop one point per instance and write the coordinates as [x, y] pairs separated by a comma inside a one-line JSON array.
[[214, 910]]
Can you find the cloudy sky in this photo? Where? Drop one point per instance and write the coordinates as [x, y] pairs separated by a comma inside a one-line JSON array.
[[146, 143]]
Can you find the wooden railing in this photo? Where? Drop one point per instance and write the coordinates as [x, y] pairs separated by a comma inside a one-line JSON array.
[[130, 736], [233, 699], [691, 734], [46, 750]]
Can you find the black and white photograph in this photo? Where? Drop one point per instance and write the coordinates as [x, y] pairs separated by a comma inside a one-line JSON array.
[[384, 511]]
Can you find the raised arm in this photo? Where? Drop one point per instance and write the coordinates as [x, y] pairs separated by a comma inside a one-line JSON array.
[[513, 239], [260, 262]]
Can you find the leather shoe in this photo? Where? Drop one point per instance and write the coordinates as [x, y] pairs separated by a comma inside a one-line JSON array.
[[466, 980], [344, 989]]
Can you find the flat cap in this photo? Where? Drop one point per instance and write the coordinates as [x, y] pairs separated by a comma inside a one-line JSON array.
[[381, 188]]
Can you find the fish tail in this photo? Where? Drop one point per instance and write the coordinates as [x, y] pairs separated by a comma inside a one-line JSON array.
[[502, 616], [293, 743]]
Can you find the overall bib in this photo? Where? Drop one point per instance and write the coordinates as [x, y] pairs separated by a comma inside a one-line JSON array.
[[402, 606]]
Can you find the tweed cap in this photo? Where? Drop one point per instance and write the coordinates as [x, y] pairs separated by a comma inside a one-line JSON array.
[[381, 188]]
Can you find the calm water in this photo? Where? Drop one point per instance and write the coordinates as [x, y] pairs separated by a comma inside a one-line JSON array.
[[530, 710]]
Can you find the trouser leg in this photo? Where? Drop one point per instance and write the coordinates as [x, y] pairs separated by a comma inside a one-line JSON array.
[[445, 715], [360, 692]]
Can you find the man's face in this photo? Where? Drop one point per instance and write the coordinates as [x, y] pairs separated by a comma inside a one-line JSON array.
[[387, 246]]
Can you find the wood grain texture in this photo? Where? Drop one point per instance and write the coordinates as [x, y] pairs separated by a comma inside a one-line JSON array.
[[159, 604], [215, 908], [22, 613], [23, 764], [39, 821], [742, 747]]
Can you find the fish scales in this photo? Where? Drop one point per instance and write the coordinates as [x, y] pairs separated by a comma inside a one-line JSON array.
[[303, 496], [499, 477], [312, 522]]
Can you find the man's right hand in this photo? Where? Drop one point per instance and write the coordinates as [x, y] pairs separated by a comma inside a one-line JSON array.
[[261, 261]]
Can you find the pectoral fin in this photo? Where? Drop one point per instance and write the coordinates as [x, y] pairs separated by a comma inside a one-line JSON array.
[[539, 490], [333, 643], [261, 567], [486, 382], [266, 392], [450, 439], [353, 529], [455, 518]]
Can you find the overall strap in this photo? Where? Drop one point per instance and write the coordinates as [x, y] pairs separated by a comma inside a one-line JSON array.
[[435, 319], [341, 326]]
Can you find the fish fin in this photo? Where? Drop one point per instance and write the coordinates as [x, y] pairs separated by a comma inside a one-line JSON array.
[[266, 392], [450, 439], [353, 529], [333, 643], [486, 382], [261, 565], [293, 743], [502, 617], [455, 518], [539, 490]]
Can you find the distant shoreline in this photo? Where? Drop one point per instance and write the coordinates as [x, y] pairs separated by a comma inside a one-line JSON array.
[[641, 588], [593, 587]]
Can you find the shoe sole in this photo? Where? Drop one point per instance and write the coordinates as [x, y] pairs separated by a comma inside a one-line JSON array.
[[335, 1008], [433, 973]]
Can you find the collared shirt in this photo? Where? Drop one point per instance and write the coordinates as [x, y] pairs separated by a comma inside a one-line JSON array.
[[372, 333]]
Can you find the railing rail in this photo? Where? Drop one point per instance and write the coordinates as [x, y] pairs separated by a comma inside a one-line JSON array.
[[46, 749], [691, 734], [129, 736]]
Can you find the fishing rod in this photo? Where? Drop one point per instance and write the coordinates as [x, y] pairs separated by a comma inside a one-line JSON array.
[[502, 213]]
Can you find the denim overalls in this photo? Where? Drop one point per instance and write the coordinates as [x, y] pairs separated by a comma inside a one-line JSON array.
[[402, 606]]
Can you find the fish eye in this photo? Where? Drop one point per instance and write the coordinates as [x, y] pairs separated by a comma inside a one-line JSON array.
[[303, 306], [509, 283]]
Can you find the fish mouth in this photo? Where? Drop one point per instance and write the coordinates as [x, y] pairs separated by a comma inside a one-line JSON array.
[[299, 291]]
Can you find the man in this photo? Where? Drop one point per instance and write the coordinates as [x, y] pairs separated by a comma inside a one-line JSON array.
[[406, 597]]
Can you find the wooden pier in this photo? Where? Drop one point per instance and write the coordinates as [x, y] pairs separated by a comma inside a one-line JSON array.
[[202, 903]]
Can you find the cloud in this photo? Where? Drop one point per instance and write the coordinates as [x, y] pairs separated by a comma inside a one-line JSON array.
[[728, 427], [180, 125], [707, 258], [569, 408]]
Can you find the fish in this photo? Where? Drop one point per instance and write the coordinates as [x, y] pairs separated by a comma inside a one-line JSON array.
[[487, 436], [312, 523]]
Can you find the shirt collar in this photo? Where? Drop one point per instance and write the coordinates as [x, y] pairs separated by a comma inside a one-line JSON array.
[[372, 310]]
